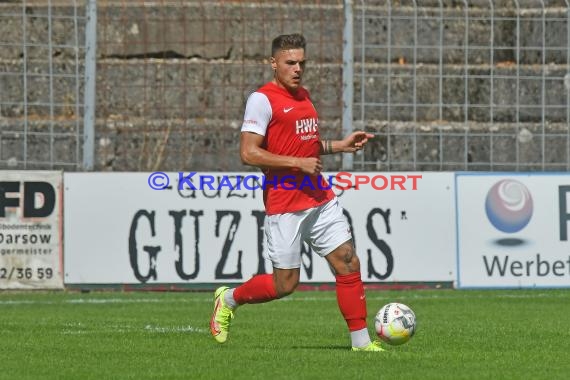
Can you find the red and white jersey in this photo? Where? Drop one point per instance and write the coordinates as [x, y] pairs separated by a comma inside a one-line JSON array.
[[290, 125]]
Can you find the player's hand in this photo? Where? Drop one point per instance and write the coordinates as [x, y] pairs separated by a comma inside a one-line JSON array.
[[310, 165], [356, 141]]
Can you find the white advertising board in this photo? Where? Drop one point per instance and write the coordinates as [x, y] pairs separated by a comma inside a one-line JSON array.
[[120, 231], [512, 230], [30, 230]]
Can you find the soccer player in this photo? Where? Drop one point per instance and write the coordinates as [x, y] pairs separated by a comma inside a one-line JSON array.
[[280, 135]]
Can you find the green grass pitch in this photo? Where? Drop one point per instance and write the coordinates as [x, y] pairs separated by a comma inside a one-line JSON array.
[[461, 334]]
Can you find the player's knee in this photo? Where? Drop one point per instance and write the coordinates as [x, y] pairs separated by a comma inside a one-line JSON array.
[[348, 255], [354, 261], [345, 259]]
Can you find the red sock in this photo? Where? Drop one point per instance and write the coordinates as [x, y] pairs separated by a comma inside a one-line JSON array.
[[351, 300], [257, 289]]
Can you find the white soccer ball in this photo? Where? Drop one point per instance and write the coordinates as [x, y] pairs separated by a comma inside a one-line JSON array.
[[395, 323]]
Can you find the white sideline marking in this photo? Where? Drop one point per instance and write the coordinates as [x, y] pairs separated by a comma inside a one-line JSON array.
[[371, 296], [115, 300], [160, 329], [78, 328], [98, 301], [382, 296]]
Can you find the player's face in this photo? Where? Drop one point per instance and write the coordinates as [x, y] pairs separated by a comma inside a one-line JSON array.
[[289, 66]]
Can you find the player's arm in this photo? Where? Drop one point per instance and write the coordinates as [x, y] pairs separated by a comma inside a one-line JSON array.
[[350, 144], [252, 153]]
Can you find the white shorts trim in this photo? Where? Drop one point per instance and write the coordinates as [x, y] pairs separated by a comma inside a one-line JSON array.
[[323, 228]]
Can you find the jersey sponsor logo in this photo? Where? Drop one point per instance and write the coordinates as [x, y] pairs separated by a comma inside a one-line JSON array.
[[287, 109], [309, 125], [308, 137]]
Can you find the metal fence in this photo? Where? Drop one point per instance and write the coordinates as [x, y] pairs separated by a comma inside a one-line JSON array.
[[41, 84], [446, 85], [173, 76], [464, 85]]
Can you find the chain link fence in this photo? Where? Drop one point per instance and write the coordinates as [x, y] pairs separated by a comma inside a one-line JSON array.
[[464, 85], [41, 84], [174, 76]]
